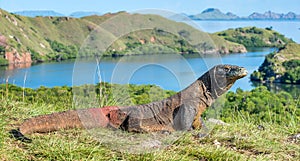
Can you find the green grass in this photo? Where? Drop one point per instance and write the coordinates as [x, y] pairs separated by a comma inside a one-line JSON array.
[[290, 51], [255, 37], [241, 140]]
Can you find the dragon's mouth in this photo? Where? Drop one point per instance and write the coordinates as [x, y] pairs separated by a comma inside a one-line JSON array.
[[237, 74], [243, 72]]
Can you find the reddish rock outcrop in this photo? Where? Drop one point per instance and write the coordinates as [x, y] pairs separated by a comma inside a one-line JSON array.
[[14, 57], [3, 40], [152, 39]]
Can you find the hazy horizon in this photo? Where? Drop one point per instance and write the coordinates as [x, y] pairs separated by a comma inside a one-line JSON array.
[[237, 7]]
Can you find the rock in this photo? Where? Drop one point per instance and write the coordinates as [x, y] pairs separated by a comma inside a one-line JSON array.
[[14, 57], [42, 45], [202, 135], [260, 127], [218, 144], [151, 144], [294, 138], [17, 39], [7, 18], [142, 41], [241, 49], [217, 122], [15, 22], [3, 41], [281, 58], [91, 27], [26, 36], [12, 20], [224, 50], [152, 39]]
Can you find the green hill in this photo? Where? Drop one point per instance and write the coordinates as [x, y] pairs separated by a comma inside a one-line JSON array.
[[282, 66], [56, 38], [255, 37]]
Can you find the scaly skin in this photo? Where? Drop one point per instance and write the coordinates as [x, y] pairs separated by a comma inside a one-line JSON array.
[[181, 111]]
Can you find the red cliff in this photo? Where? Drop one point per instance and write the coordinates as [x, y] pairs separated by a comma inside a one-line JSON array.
[[17, 59]]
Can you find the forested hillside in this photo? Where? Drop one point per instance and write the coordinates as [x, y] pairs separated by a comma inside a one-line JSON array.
[[26, 39], [282, 66], [255, 37]]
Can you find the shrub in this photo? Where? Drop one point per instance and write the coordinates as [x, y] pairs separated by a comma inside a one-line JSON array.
[[3, 62]]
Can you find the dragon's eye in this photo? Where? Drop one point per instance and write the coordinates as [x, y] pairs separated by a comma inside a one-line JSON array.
[[226, 68]]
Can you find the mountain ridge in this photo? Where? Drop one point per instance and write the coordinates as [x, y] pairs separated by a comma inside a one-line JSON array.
[[80, 14], [45, 13], [216, 14], [207, 14], [36, 13]]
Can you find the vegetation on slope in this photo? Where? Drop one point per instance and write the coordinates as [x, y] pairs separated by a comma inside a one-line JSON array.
[[3, 61], [225, 46], [263, 105], [36, 35], [255, 37], [264, 132], [282, 66]]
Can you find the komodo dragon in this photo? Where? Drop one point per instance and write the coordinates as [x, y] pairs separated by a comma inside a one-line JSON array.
[[181, 111]]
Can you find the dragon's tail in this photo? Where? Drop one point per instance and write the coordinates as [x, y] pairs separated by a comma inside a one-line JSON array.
[[47, 123], [111, 116], [84, 118], [51, 122]]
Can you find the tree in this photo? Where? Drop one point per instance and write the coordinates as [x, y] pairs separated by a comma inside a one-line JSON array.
[[2, 49], [185, 34], [269, 28]]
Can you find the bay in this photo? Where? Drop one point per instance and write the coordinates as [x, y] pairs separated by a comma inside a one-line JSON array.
[[169, 71], [173, 72]]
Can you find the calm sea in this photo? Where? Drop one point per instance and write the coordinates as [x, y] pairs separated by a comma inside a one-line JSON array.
[[169, 71]]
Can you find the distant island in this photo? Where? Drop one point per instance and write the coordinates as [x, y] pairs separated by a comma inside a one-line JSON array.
[[44, 13], [208, 14], [216, 14], [37, 13], [80, 14]]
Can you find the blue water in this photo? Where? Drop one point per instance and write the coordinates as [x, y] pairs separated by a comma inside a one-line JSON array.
[[169, 71]]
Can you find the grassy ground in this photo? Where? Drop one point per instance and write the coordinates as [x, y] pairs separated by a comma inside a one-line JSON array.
[[241, 140]]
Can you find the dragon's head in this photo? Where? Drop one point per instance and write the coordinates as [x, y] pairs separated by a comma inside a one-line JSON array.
[[222, 77]]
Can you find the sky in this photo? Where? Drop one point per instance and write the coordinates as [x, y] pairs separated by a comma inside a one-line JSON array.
[[239, 7]]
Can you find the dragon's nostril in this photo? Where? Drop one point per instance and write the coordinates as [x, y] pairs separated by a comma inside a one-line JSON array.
[[243, 71]]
